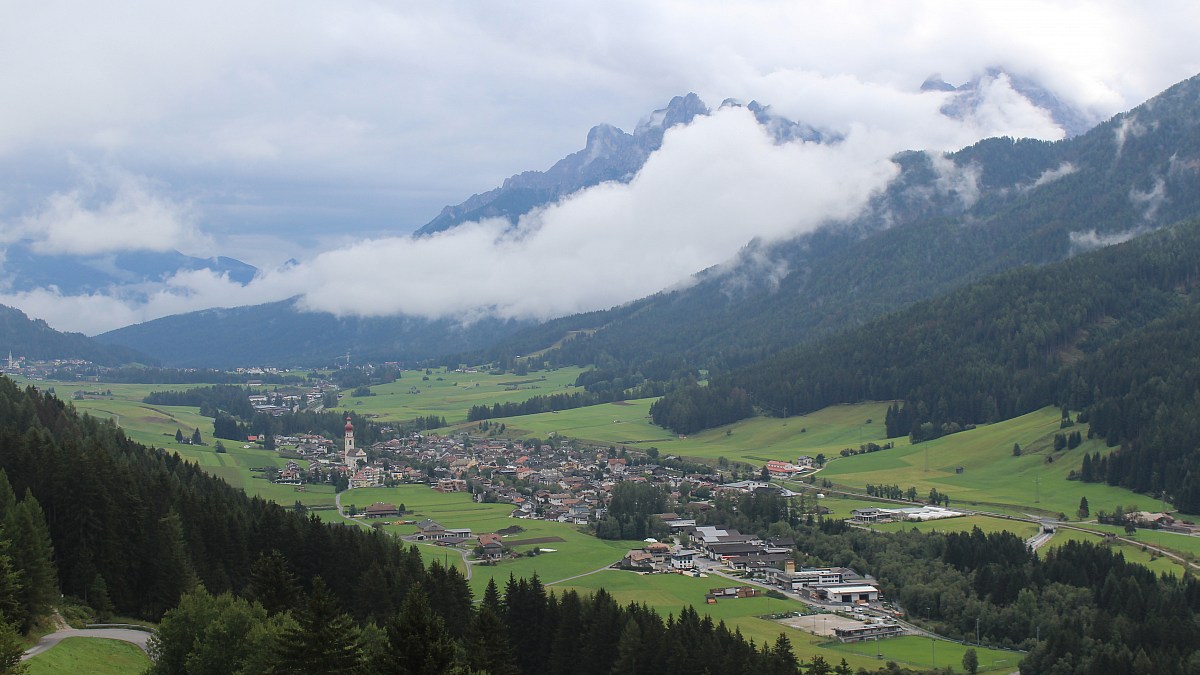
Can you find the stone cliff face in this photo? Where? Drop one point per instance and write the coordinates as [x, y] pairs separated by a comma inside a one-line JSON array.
[[610, 154]]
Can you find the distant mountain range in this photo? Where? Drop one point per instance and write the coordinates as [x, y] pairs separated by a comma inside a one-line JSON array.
[[614, 155], [942, 222], [279, 334], [24, 269], [33, 339], [967, 98], [609, 155]]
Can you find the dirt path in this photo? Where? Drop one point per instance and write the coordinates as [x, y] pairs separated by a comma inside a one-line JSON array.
[[579, 576]]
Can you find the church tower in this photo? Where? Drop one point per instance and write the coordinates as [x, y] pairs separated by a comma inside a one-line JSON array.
[[349, 438]]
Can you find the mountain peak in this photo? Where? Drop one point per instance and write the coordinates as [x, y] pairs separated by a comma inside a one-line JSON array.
[[681, 110]]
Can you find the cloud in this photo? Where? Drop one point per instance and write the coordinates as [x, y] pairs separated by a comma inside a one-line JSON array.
[[111, 210], [713, 187], [328, 131], [1050, 175]]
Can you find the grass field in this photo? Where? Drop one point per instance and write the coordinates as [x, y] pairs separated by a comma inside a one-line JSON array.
[[577, 553], [922, 652], [754, 441], [90, 655], [1133, 553], [1022, 529], [669, 593], [451, 394], [992, 478]]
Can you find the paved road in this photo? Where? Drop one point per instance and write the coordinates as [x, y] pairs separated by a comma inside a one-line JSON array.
[[137, 637]]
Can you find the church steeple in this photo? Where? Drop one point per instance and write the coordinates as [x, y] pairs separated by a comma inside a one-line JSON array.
[[349, 436]]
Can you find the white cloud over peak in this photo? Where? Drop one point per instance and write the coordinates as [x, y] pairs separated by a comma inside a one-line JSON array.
[[235, 125]]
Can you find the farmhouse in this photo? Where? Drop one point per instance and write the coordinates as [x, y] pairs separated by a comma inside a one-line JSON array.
[[492, 545], [683, 559], [429, 530], [381, 510], [868, 515]]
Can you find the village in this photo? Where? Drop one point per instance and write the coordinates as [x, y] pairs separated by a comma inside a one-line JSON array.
[[566, 483]]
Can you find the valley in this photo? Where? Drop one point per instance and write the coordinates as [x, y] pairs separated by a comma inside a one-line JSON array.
[[896, 385], [992, 480]]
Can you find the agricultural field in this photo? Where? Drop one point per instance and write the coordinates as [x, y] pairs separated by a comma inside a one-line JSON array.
[[451, 394], [992, 477], [575, 552], [922, 652], [1020, 528], [669, 593], [1183, 544], [1160, 564], [754, 441], [90, 655]]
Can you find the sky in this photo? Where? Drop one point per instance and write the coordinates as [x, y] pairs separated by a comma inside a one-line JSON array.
[[321, 134]]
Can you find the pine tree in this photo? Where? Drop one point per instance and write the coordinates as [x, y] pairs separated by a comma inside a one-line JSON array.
[[1084, 510], [178, 436], [324, 640], [629, 650], [99, 600], [487, 645], [417, 638], [33, 557], [491, 598], [196, 439], [11, 648], [272, 584]]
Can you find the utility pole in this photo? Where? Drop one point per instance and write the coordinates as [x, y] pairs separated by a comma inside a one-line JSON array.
[[1037, 494], [977, 630]]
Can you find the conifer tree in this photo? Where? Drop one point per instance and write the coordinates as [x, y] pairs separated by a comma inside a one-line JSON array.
[[487, 646], [33, 558], [324, 639], [418, 639], [272, 584]]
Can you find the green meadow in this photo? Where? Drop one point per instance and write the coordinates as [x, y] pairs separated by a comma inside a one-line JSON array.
[[90, 655], [1022, 529], [575, 551], [754, 441], [451, 394], [669, 593], [923, 652], [1161, 564], [992, 477]]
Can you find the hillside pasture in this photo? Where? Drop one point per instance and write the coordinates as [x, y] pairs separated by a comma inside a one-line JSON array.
[[987, 524], [451, 394], [754, 441], [992, 477]]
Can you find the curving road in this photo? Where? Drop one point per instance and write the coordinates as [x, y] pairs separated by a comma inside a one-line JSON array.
[[137, 637]]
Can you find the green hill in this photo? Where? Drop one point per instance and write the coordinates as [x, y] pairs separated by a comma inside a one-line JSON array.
[[34, 339]]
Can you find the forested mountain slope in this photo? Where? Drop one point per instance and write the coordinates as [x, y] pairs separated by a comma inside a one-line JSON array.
[[1111, 333], [943, 222], [279, 334], [34, 339]]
